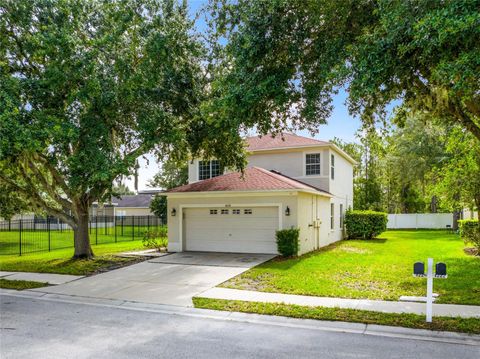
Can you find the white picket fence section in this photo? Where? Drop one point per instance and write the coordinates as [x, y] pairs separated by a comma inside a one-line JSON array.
[[420, 220]]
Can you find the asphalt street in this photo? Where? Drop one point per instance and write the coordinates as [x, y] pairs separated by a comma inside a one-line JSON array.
[[34, 328]]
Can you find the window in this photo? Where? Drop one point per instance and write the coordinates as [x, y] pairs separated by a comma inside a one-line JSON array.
[[332, 167], [208, 169], [225, 211], [235, 211], [332, 221], [341, 215], [213, 211], [312, 162], [247, 211]]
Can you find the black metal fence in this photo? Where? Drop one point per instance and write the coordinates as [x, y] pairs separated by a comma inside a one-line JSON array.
[[46, 234]]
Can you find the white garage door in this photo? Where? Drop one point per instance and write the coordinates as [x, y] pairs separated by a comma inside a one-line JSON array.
[[236, 229]]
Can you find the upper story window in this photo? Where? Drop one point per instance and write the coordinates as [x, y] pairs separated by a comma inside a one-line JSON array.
[[312, 163], [208, 169], [332, 167]]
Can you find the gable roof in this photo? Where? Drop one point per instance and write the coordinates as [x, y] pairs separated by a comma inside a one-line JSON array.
[[284, 140], [254, 179], [137, 200], [290, 140]]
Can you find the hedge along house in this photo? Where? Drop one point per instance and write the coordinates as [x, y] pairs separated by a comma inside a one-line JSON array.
[[290, 182]]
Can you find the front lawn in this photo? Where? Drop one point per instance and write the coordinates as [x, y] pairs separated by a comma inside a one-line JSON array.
[[374, 269], [465, 325], [41, 240], [59, 261]]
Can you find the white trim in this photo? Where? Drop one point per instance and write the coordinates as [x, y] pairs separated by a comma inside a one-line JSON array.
[[224, 205], [258, 193], [304, 154]]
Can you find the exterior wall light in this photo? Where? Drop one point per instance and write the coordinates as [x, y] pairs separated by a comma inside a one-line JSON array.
[[287, 211], [174, 212]]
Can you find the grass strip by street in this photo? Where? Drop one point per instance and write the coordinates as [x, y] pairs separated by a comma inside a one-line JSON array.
[[464, 325], [20, 284], [61, 262]]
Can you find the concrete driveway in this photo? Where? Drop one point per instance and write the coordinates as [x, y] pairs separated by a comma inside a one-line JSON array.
[[172, 279]]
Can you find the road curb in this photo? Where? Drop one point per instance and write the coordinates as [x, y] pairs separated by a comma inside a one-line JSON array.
[[312, 324]]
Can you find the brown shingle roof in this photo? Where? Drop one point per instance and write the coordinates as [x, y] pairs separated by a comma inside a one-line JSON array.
[[255, 179], [282, 140]]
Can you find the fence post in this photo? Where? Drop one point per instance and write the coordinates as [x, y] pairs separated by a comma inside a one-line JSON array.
[[48, 231], [20, 239], [115, 227], [96, 230], [122, 226], [133, 228], [148, 223]]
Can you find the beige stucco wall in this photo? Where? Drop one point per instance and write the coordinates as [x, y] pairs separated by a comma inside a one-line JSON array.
[[304, 208], [284, 199], [314, 208], [129, 211]]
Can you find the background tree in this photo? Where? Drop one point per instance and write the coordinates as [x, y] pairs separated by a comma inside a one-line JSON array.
[[121, 189], [11, 203], [457, 178], [173, 173], [285, 59], [87, 87]]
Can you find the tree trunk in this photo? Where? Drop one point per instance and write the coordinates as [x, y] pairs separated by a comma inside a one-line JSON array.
[[83, 250]]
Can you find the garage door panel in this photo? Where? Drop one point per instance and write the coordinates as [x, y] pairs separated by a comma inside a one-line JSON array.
[[246, 233]]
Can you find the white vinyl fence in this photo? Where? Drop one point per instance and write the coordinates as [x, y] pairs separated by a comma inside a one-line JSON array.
[[420, 220]]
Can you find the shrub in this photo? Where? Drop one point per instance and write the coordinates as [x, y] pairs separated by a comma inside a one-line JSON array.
[[287, 241], [365, 224], [156, 239], [470, 232]]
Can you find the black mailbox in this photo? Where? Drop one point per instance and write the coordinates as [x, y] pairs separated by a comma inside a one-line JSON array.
[[419, 269], [440, 269]]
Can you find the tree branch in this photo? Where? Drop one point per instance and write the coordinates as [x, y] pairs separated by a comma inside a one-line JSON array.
[[48, 188]]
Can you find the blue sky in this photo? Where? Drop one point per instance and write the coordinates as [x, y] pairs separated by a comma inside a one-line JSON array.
[[340, 124]]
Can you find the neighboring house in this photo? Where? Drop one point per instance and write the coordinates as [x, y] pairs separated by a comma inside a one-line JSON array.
[[294, 182], [126, 205]]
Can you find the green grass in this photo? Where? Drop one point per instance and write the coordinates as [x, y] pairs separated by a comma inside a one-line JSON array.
[[38, 241], [59, 261], [20, 284], [465, 325], [374, 269]]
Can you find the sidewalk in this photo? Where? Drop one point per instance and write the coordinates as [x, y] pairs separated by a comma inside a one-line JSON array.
[[447, 310], [49, 278]]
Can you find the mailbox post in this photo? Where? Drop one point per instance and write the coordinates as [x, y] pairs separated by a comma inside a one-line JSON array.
[[440, 272]]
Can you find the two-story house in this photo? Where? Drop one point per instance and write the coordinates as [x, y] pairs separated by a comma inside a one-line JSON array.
[[290, 181]]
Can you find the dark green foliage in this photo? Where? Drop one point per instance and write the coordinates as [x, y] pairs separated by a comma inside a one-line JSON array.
[[365, 224], [156, 239], [287, 242], [159, 206], [281, 55], [470, 232]]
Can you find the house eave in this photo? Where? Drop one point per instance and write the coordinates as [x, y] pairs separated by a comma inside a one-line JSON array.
[[246, 193]]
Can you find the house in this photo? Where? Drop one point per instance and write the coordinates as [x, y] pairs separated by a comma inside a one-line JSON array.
[[290, 181], [126, 205]]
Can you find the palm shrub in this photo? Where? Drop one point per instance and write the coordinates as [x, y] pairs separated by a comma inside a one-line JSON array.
[[156, 239], [470, 232], [365, 224], [288, 241]]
